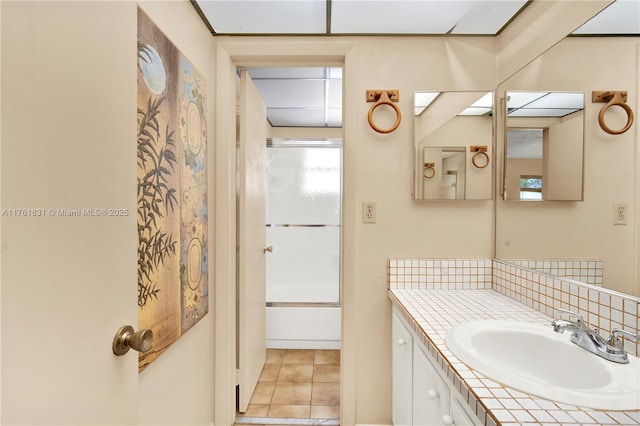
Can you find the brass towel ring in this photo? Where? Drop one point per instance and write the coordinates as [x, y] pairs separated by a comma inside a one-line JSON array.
[[381, 97], [613, 98], [429, 170], [480, 151]]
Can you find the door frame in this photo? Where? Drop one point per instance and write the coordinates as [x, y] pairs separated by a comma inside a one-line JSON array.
[[254, 52]]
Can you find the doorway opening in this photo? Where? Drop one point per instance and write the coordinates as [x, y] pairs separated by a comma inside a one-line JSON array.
[[300, 380]]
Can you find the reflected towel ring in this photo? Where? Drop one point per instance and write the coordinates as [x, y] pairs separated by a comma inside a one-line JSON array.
[[429, 170], [613, 98], [383, 97], [480, 151]]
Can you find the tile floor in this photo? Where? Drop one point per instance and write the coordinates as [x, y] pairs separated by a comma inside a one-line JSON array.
[[297, 384]]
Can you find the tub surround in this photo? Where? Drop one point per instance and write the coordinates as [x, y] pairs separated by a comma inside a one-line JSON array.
[[433, 295]]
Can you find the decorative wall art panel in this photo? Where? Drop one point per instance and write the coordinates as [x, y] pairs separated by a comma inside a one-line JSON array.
[[173, 263]]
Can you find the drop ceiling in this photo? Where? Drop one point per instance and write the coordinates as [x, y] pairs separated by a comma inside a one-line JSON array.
[[301, 97], [391, 17], [312, 97], [479, 17]]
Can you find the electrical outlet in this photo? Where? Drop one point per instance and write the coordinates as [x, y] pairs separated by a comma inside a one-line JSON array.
[[369, 212], [619, 214]]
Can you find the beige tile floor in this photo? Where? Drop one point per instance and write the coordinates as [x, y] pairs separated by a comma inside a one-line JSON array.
[[298, 384]]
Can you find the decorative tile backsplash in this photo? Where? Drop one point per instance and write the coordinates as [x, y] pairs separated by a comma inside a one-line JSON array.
[[541, 291], [586, 271], [599, 307], [439, 274]]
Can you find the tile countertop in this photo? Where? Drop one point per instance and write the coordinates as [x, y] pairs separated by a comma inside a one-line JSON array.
[[431, 313]]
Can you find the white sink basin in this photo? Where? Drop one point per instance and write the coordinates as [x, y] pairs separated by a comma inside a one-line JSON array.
[[534, 359]]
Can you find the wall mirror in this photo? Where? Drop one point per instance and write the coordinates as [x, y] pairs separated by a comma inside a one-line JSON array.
[[453, 145], [544, 155]]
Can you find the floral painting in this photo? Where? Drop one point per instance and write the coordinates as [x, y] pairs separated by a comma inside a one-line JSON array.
[[173, 266]]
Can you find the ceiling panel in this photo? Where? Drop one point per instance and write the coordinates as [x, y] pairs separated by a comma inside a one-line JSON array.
[[524, 143], [488, 17], [395, 17], [292, 93], [421, 100], [302, 96], [542, 112], [544, 104], [520, 99], [265, 16], [334, 94], [621, 17], [334, 117], [559, 100]]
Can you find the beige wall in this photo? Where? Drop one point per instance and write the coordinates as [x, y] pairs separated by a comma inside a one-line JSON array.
[[380, 168], [563, 153], [584, 229]]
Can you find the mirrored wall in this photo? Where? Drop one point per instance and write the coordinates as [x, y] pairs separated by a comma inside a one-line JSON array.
[[553, 150]]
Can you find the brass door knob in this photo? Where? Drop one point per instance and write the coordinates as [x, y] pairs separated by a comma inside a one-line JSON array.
[[126, 339]]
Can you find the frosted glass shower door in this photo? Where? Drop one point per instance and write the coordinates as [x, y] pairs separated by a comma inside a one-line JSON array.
[[303, 224]]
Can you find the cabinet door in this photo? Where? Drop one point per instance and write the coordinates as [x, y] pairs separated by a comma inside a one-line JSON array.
[[430, 392], [458, 416], [402, 346]]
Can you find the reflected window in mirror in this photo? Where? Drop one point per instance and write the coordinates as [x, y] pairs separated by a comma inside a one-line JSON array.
[[545, 138], [530, 187], [447, 125]]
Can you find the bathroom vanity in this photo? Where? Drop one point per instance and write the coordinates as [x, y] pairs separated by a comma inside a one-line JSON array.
[[432, 386], [421, 395]]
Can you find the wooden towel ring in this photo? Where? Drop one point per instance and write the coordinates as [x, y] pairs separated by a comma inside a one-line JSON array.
[[429, 170], [384, 100], [475, 162], [482, 152], [615, 98]]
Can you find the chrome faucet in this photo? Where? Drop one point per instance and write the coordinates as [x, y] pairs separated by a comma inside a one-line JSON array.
[[589, 338]]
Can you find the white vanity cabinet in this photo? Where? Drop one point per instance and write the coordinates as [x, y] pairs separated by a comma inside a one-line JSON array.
[[421, 396], [402, 370]]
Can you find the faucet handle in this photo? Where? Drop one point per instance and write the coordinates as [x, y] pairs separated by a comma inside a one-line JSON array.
[[615, 341], [574, 314]]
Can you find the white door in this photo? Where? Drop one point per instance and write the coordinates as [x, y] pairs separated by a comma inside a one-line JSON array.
[[251, 238], [68, 274]]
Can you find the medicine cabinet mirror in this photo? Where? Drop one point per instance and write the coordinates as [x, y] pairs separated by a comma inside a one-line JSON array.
[[453, 145], [544, 155]]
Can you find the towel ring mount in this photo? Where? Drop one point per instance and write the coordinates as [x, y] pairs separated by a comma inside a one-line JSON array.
[[384, 97]]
